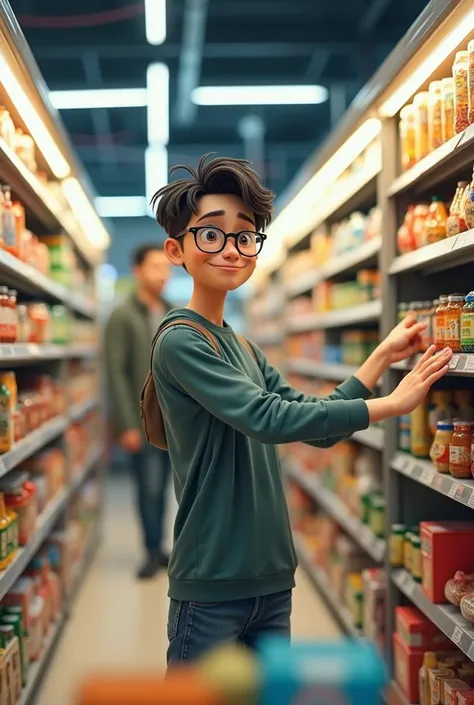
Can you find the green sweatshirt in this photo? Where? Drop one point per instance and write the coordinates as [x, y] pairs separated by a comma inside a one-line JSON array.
[[224, 417]]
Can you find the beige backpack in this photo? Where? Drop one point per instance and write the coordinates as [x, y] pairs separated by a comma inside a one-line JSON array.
[[152, 416]]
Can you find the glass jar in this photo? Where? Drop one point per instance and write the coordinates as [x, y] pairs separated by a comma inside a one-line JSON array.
[[453, 321], [439, 452], [407, 132], [440, 323], [467, 324], [405, 240], [435, 224], [397, 539], [460, 450], [420, 106], [435, 112], [461, 93], [420, 214], [447, 116]]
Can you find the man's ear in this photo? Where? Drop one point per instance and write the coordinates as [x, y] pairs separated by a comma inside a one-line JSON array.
[[173, 251]]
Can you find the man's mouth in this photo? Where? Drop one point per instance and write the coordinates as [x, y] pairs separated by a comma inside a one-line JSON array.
[[226, 266]]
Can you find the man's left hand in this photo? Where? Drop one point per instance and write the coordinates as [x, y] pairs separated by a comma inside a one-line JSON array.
[[404, 340]]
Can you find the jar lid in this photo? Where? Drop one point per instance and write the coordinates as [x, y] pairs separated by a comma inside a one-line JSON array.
[[463, 426], [470, 296], [456, 297], [443, 298], [415, 540], [445, 425], [398, 528]]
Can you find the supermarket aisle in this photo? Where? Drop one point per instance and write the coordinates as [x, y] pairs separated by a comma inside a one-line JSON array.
[[118, 622]]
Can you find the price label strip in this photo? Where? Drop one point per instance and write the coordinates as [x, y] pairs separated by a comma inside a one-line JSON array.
[[457, 635], [470, 501], [469, 364], [427, 476], [453, 490], [453, 363]]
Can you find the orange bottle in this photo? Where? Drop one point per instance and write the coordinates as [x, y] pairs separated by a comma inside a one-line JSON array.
[[460, 451], [20, 225], [440, 323], [435, 224], [455, 223], [453, 321]]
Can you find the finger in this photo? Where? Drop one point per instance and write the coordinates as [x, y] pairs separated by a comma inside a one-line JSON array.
[[436, 376], [437, 362], [424, 358]]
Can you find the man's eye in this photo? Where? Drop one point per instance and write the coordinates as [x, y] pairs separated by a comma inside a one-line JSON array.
[[209, 235]]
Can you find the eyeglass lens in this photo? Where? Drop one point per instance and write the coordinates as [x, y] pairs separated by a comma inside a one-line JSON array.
[[210, 240]]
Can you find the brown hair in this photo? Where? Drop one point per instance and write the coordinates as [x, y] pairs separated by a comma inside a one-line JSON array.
[[178, 200]]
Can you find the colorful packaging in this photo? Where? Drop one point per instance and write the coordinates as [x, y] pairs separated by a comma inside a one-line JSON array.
[[419, 632], [445, 548]]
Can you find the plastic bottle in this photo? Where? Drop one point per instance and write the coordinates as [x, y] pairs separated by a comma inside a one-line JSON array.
[[420, 106], [461, 93], [469, 204], [447, 117], [435, 224], [420, 434], [455, 223], [440, 322], [430, 660], [9, 225]]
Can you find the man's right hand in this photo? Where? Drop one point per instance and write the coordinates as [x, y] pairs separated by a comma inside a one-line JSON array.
[[131, 440]]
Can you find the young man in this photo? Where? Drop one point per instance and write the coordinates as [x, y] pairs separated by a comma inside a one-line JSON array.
[[128, 335], [232, 568]]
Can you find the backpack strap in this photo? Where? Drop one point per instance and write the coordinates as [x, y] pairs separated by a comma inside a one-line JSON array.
[[248, 346], [190, 324]]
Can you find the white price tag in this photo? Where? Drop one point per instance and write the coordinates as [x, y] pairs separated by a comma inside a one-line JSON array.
[[453, 490], [426, 476], [453, 363], [457, 635], [460, 241], [469, 364], [470, 501]]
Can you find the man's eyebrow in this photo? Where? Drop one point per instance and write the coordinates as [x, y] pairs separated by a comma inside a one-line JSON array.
[[210, 215], [242, 216]]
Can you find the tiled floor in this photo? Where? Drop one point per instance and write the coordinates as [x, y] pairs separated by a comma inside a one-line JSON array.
[[121, 623]]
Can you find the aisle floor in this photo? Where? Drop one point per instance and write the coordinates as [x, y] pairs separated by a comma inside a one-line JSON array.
[[118, 622]]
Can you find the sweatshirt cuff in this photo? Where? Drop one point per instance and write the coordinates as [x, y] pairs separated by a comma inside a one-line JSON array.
[[354, 389], [347, 417]]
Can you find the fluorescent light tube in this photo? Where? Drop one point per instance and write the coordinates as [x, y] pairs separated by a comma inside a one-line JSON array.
[[85, 214], [156, 171], [45, 143], [99, 98], [155, 21], [259, 95], [121, 207], [157, 83], [418, 76]]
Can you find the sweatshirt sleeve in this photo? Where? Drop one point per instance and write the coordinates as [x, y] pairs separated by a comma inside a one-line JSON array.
[[116, 346], [189, 362]]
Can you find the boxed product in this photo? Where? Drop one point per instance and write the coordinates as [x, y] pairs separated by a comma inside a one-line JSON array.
[[465, 697], [375, 589], [418, 632], [452, 687], [438, 678], [446, 547], [407, 663]]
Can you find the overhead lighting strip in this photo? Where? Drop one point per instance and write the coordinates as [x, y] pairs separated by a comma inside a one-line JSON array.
[[260, 95]]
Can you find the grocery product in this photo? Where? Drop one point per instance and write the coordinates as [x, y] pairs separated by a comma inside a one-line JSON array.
[[407, 664], [447, 116], [457, 587], [467, 324], [451, 689], [460, 450], [418, 631], [468, 204], [452, 319], [436, 222], [435, 112], [461, 93], [408, 137], [438, 678], [429, 661], [420, 441], [440, 450], [445, 548], [440, 322], [470, 81], [420, 215], [456, 223], [467, 607], [420, 107], [397, 540]]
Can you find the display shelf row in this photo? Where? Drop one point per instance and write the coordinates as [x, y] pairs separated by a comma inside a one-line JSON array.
[[446, 617], [32, 443], [338, 511], [321, 370], [267, 340], [423, 472], [77, 411], [339, 264], [373, 437], [31, 352], [460, 364], [29, 280], [353, 315], [325, 589], [92, 459], [445, 254]]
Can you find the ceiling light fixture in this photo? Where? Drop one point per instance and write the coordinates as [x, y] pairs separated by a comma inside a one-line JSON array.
[[155, 21], [85, 213], [259, 95], [35, 125], [156, 172], [121, 206], [99, 98], [157, 83], [419, 76]]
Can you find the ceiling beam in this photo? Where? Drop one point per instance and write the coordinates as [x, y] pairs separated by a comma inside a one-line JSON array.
[[100, 118], [190, 59], [372, 17]]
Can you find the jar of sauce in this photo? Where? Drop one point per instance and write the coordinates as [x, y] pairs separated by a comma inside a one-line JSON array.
[[13, 315], [460, 450], [420, 107], [440, 322], [439, 452], [467, 324], [453, 321], [436, 220], [418, 224], [4, 314]]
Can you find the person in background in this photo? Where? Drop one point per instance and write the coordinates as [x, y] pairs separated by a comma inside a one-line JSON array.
[[128, 337]]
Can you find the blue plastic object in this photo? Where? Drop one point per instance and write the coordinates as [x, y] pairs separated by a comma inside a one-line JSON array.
[[336, 673]]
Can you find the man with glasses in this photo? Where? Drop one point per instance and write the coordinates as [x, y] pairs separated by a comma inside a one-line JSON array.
[[225, 410]]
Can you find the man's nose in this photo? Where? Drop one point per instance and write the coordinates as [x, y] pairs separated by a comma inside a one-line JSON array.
[[230, 250]]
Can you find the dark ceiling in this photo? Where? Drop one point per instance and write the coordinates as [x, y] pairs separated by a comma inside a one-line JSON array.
[[101, 44]]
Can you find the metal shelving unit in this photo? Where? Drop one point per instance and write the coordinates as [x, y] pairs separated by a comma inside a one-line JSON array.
[[352, 316]]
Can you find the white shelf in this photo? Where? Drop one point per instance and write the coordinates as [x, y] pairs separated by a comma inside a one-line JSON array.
[[446, 617], [336, 265], [461, 364], [321, 582], [442, 255], [270, 339], [32, 443], [358, 531], [424, 472], [354, 315], [373, 437], [322, 370], [77, 411], [37, 668]]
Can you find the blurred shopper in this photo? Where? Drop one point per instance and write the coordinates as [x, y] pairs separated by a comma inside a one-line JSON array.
[[128, 336]]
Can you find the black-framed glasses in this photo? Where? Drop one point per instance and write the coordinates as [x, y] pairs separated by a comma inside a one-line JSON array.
[[211, 240]]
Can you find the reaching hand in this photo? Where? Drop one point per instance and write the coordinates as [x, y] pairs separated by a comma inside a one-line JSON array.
[[415, 386], [404, 340]]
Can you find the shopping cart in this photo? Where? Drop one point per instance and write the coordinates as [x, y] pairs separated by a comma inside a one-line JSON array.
[[336, 673]]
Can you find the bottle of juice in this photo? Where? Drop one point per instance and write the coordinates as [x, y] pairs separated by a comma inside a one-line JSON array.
[[420, 107], [420, 432], [469, 204], [430, 660], [455, 223], [6, 419], [453, 321], [405, 240], [435, 112], [435, 224], [4, 535], [9, 225], [440, 322], [447, 117]]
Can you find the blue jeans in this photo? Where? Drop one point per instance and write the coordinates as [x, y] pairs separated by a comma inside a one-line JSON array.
[[151, 470], [195, 627]]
